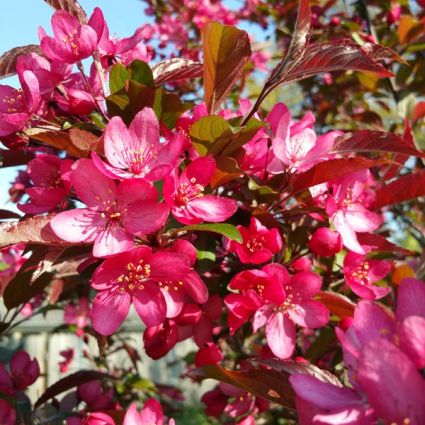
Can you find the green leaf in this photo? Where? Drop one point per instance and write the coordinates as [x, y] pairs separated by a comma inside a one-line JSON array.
[[206, 131], [224, 229], [118, 76], [141, 73]]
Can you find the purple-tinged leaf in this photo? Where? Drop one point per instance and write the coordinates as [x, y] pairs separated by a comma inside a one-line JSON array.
[[8, 59], [71, 6], [176, 69]]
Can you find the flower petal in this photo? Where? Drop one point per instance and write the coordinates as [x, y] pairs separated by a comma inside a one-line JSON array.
[[214, 209], [280, 333], [309, 314], [113, 240], [150, 304], [145, 217]]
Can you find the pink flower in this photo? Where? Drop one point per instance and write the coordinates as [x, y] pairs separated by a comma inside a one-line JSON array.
[[149, 415], [78, 315], [296, 144], [7, 413], [95, 396], [347, 209], [68, 356], [282, 301], [134, 277], [48, 175], [136, 151], [190, 288], [11, 260], [71, 42], [18, 105], [185, 195], [360, 274], [23, 370], [325, 242], [160, 339], [114, 213], [259, 243]]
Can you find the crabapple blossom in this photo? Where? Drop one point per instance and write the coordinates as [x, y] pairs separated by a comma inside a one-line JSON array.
[[325, 242], [360, 273], [71, 41], [186, 198], [259, 243], [115, 212], [50, 178], [137, 151], [135, 277]]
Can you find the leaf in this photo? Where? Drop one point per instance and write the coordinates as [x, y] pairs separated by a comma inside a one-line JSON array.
[[176, 69], [329, 170], [226, 50], [140, 72], [8, 59], [75, 141], [405, 188], [374, 141], [269, 384], [379, 243], [117, 77], [9, 158], [419, 111], [225, 229], [22, 288], [227, 169], [6, 214], [206, 131], [69, 382], [337, 304], [35, 230], [71, 6]]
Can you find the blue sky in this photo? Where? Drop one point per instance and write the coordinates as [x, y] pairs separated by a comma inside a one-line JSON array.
[[19, 27]]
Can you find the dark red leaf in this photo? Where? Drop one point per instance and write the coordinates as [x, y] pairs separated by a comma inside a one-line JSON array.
[[419, 111], [337, 304], [405, 188], [35, 230], [379, 243], [374, 141], [329, 170], [69, 382], [13, 158], [6, 214], [8, 59], [269, 384], [71, 6], [176, 69], [340, 55]]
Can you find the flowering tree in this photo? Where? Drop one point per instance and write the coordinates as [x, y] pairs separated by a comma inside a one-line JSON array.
[[286, 245]]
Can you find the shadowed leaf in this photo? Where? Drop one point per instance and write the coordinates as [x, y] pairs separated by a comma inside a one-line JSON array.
[[71, 6]]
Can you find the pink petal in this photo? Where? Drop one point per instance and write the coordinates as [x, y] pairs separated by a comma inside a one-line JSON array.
[[348, 235], [109, 170], [78, 225], [110, 308], [151, 413], [280, 333], [305, 285], [63, 24], [394, 387], [201, 170], [174, 299], [211, 208], [132, 417], [361, 219], [324, 395], [411, 298], [144, 130], [195, 287], [113, 240], [278, 111], [134, 190], [411, 334], [261, 317], [309, 314], [169, 266], [144, 217], [99, 195], [117, 140], [150, 304]]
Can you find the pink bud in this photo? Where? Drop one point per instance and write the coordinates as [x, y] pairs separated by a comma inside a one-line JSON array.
[[303, 264], [7, 413], [325, 242], [24, 371], [394, 14], [210, 354], [98, 418]]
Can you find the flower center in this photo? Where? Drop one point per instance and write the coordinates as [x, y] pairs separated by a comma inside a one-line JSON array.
[[361, 273], [171, 285], [255, 243], [188, 191], [134, 276], [138, 158]]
